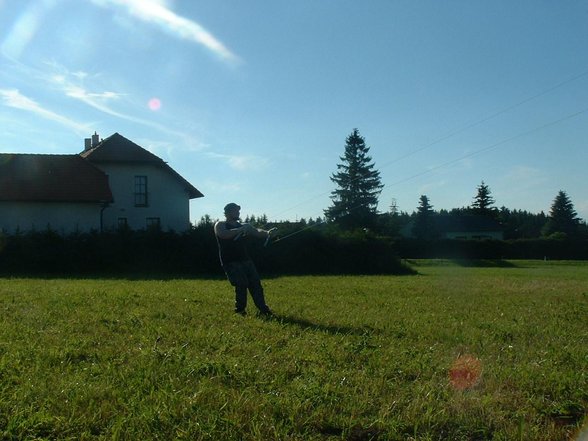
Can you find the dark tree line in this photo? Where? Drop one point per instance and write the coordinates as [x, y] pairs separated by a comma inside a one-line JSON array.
[[355, 201], [561, 222]]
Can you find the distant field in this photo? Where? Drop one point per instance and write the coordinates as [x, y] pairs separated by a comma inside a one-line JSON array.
[[458, 352]]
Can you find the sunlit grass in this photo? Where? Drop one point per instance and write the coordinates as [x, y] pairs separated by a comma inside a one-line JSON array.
[[346, 358]]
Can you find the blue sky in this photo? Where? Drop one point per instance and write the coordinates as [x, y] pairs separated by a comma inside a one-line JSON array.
[[252, 101]]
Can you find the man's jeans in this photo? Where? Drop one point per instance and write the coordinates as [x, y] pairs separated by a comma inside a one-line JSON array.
[[243, 276]]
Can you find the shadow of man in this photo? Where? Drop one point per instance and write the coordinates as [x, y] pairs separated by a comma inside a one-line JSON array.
[[329, 329]]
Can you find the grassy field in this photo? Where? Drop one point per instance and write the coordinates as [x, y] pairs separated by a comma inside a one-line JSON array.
[[455, 353]]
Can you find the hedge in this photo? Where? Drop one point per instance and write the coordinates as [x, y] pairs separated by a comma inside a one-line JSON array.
[[156, 254]]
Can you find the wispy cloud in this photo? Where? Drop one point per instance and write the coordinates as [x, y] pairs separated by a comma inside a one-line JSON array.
[[156, 12], [75, 85], [241, 162], [72, 84], [582, 209], [13, 98], [431, 186], [522, 177], [525, 172], [221, 187], [97, 100], [518, 187]]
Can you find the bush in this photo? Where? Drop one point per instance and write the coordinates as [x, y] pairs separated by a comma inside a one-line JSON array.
[[157, 254], [553, 248], [313, 252]]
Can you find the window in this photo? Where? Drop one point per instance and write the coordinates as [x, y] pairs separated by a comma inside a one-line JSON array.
[[122, 223], [152, 223], [141, 191]]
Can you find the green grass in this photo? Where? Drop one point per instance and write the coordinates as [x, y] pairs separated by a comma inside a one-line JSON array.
[[353, 358]]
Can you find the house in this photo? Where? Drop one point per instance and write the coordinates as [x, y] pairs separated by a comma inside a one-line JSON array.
[[64, 192], [463, 226], [113, 183]]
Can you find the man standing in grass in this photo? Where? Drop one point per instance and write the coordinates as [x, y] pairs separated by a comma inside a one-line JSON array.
[[241, 272]]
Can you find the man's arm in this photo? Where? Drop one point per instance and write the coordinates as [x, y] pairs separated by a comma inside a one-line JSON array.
[[223, 232], [260, 233]]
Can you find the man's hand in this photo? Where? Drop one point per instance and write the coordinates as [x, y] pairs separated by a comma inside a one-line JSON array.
[[244, 230], [248, 229], [269, 235]]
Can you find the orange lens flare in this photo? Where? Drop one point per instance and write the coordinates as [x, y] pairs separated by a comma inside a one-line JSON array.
[[465, 372]]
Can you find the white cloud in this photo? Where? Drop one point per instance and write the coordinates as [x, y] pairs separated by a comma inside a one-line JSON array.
[[88, 88], [13, 98], [520, 187], [157, 12], [222, 187], [432, 186], [522, 177], [72, 85], [241, 162], [525, 172], [96, 100], [582, 209], [163, 149]]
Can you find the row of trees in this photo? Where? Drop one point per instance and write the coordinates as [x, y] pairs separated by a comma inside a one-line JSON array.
[[355, 201], [562, 220]]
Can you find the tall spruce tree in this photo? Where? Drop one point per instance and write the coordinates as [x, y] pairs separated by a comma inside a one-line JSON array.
[[483, 202], [424, 223], [562, 217], [355, 199]]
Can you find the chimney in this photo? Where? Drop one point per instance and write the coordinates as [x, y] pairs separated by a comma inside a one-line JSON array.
[[95, 139], [87, 144]]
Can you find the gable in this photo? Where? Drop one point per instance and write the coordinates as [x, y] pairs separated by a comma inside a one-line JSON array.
[[118, 149], [51, 178]]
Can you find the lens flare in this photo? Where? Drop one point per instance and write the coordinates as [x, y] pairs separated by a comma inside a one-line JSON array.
[[154, 104], [465, 372]]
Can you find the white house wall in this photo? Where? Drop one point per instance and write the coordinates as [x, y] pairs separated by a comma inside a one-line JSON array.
[[63, 218], [168, 200]]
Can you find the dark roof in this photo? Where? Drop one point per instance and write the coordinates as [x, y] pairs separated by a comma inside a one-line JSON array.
[[457, 223], [51, 178], [467, 223], [118, 149]]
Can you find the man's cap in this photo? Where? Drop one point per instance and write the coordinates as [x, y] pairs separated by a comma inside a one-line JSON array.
[[231, 206]]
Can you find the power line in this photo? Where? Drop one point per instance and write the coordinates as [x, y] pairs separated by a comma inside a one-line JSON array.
[[461, 158], [493, 146], [487, 118], [463, 129]]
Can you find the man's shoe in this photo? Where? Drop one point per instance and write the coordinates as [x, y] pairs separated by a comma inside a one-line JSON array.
[[267, 313], [241, 312]]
